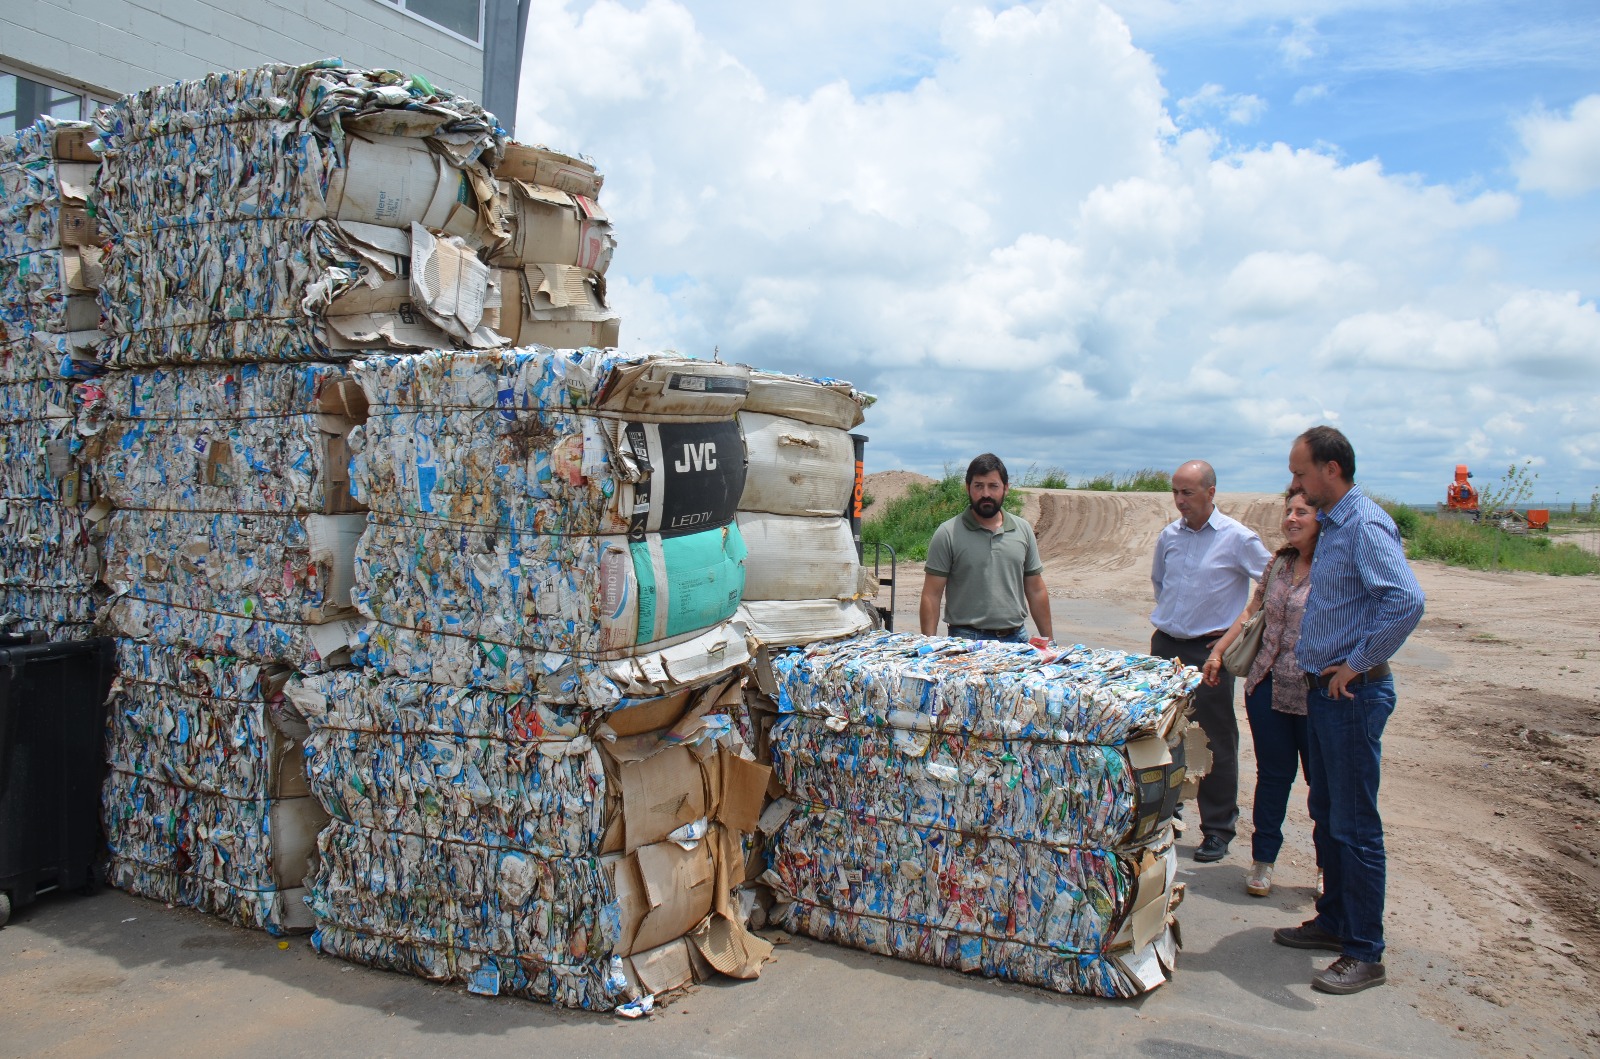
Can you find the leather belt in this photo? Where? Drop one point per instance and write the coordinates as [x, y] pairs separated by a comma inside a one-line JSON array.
[[1316, 681], [1194, 639], [992, 632]]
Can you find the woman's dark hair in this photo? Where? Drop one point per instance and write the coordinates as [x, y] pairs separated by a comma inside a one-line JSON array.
[[986, 464], [1288, 495]]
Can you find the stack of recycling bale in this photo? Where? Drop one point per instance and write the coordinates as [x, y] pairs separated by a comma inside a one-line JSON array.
[[804, 580], [982, 806], [263, 226], [49, 269], [535, 783]]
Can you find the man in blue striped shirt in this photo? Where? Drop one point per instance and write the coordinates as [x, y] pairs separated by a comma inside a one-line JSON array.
[[1364, 602]]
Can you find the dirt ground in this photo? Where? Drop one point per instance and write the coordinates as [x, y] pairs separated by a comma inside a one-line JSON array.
[[885, 487], [1492, 767]]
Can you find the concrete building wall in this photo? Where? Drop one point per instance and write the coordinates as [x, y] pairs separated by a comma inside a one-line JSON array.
[[111, 47]]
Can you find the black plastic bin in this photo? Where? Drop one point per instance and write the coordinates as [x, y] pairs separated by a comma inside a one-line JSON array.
[[52, 762]]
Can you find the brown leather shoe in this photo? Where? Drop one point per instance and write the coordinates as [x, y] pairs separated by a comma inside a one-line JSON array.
[[1307, 936], [1349, 975]]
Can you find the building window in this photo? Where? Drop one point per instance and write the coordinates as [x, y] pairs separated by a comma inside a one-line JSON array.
[[24, 100], [459, 18]]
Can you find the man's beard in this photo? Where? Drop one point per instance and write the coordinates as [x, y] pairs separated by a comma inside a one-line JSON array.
[[987, 507]]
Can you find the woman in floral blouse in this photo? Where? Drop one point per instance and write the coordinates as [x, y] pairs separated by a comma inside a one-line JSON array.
[[1275, 690]]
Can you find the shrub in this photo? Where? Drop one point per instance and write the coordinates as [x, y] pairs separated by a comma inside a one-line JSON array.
[[1481, 546], [1406, 518]]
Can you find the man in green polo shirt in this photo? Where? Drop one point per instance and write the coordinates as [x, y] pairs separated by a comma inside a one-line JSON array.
[[984, 566]]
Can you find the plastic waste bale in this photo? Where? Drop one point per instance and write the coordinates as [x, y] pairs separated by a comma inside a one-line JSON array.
[[206, 802], [583, 858], [970, 903], [489, 477], [233, 529], [263, 438], [49, 267], [994, 808], [296, 213], [276, 568]]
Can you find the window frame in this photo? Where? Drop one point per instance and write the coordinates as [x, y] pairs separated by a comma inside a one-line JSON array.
[[89, 100], [483, 15]]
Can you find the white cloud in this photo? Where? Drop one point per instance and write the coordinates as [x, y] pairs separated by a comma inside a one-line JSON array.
[[1019, 249], [1310, 93], [1213, 99], [1562, 152], [1273, 283], [1300, 43]]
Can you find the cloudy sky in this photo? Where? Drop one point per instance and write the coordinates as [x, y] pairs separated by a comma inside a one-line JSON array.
[[1100, 236]]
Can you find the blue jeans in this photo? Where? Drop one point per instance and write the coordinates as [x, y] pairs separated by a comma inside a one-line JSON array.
[[969, 632], [1346, 754], [1280, 740]]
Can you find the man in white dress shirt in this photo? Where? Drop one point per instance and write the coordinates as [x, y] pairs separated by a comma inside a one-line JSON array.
[[1204, 565]]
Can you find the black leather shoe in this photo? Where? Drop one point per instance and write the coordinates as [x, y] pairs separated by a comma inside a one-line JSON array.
[[1307, 936], [1212, 848], [1349, 975]]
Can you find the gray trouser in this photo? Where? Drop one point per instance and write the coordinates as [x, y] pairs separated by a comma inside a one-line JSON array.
[[1213, 709]]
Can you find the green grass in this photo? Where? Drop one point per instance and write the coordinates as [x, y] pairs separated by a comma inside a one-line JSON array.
[[1049, 478], [1144, 480], [907, 522], [1482, 547]]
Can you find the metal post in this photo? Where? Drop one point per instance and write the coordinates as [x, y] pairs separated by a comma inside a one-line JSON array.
[[854, 509]]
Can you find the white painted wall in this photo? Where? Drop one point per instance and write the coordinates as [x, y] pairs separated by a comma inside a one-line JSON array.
[[117, 46]]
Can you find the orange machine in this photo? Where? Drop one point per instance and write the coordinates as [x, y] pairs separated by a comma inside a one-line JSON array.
[[1461, 496]]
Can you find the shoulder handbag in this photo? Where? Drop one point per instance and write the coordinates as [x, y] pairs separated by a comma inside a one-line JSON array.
[[1241, 654]]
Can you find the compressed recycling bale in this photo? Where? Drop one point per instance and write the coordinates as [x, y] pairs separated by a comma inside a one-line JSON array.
[[256, 566], [792, 557], [46, 545], [823, 402], [793, 623], [210, 852], [554, 676], [43, 200], [650, 387], [492, 839], [278, 214], [796, 468], [58, 613], [203, 722], [996, 808], [1061, 794], [1067, 899], [468, 584], [308, 646], [206, 802], [50, 290], [247, 438], [551, 472], [47, 323], [594, 597], [474, 766], [986, 689]]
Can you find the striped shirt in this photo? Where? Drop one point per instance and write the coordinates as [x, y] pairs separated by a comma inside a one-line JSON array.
[[1364, 598]]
